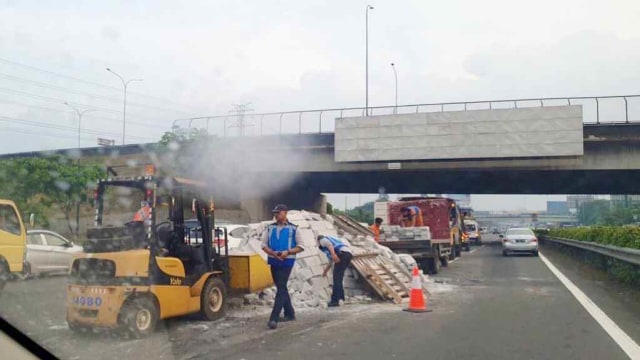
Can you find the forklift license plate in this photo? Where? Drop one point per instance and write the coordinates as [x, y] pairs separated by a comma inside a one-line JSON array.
[[87, 301]]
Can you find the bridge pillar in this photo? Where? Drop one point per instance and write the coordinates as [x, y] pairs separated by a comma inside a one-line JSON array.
[[256, 207]]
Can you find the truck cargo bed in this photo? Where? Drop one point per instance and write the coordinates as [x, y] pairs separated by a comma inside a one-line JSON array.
[[415, 248]]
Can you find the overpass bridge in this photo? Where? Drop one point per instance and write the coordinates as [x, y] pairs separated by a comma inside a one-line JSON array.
[[529, 146], [523, 146]]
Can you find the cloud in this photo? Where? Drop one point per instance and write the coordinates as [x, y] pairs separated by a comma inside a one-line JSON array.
[[587, 63]]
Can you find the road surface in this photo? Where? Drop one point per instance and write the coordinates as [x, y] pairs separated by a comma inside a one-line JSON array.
[[485, 306]]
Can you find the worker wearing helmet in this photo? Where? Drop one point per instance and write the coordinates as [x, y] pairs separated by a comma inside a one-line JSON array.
[[411, 216]]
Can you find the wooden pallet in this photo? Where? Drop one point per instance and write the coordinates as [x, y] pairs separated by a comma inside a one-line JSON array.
[[351, 226], [385, 277]]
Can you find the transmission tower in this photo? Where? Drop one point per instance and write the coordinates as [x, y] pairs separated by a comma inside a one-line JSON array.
[[240, 111]]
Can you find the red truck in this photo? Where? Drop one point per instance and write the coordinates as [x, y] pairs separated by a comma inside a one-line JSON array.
[[443, 218]]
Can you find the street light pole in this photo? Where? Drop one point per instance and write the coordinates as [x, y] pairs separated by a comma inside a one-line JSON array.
[[369, 7], [125, 83], [395, 74], [80, 113]]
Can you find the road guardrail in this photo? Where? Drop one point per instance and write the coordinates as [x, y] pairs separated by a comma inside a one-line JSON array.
[[631, 256]]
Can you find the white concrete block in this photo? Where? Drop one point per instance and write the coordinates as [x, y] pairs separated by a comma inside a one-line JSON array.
[[318, 225], [308, 237], [317, 270], [305, 274]]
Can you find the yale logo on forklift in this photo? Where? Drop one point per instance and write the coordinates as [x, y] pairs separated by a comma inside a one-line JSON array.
[[175, 281]]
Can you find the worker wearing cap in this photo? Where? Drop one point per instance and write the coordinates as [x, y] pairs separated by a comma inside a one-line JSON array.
[[411, 216], [375, 228], [281, 241], [340, 254]]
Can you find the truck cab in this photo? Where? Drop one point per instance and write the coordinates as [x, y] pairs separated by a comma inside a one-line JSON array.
[[13, 243]]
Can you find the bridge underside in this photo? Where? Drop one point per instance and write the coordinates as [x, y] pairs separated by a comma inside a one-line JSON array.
[[470, 182]]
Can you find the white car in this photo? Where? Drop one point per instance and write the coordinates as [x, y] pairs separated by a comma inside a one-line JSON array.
[[519, 240], [472, 229], [48, 252], [235, 234]]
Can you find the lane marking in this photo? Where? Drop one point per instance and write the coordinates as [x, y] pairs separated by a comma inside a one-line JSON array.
[[626, 343], [474, 250]]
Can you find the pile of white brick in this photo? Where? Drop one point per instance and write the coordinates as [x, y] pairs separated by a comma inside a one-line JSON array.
[[307, 286], [397, 233]]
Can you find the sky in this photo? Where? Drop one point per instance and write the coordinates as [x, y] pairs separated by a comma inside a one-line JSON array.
[[198, 58]]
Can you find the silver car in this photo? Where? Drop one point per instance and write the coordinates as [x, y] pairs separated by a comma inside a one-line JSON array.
[[48, 252], [519, 240]]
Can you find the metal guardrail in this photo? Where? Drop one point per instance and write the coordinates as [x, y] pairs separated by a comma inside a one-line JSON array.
[[631, 256], [619, 115]]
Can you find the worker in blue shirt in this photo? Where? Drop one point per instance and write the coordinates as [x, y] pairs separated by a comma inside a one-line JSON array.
[[281, 241], [340, 255]]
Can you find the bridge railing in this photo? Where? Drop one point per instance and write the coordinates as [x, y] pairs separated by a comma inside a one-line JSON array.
[[622, 109]]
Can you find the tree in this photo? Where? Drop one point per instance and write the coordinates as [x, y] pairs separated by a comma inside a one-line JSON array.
[[596, 212], [36, 184], [180, 135], [363, 213]]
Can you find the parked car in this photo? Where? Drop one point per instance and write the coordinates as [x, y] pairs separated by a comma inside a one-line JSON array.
[[519, 240], [47, 253], [235, 233]]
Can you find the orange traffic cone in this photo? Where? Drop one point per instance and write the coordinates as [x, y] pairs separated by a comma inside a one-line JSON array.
[[416, 299]]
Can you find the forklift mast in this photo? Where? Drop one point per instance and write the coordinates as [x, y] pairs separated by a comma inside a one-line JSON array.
[[205, 219]]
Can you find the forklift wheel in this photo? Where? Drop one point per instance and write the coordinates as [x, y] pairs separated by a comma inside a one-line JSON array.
[[213, 299], [139, 317]]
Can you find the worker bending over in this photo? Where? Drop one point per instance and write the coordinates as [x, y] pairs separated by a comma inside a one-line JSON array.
[[411, 216], [340, 254]]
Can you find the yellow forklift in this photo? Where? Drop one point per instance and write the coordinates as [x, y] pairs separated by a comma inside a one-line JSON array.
[[141, 264]]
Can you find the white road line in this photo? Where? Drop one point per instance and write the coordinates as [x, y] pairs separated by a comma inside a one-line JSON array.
[[623, 340], [476, 249]]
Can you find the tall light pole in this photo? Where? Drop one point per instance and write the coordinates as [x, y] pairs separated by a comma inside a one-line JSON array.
[[395, 74], [369, 7], [80, 113], [125, 83]]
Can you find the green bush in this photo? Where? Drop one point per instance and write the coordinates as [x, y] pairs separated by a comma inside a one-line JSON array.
[[627, 236]]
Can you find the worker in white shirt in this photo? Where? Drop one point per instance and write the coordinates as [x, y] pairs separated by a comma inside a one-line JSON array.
[[339, 256]]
